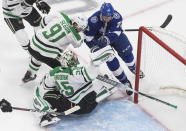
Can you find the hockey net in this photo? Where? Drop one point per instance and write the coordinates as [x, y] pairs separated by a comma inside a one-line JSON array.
[[161, 55]]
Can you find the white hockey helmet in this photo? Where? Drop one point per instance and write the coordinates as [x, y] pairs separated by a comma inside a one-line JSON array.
[[79, 22], [68, 59]]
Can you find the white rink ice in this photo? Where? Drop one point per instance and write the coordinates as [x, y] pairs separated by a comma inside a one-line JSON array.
[[14, 61]]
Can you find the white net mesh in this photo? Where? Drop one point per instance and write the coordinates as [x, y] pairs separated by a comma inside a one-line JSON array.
[[163, 72]]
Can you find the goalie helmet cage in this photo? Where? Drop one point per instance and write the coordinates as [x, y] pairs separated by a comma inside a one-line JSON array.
[[161, 57]]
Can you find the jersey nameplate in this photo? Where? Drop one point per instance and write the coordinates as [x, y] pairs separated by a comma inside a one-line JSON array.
[[61, 77]]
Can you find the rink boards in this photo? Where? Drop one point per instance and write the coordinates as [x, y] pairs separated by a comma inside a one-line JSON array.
[[114, 115]]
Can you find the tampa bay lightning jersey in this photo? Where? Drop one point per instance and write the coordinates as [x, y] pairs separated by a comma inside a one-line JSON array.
[[95, 27]]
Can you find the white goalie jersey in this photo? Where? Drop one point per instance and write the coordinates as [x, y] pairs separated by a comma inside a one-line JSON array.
[[15, 9], [54, 37], [73, 83]]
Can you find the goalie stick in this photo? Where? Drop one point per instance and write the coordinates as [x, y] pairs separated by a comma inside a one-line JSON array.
[[67, 112], [101, 96], [165, 23], [119, 85]]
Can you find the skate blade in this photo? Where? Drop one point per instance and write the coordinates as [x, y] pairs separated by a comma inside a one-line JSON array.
[[46, 123]]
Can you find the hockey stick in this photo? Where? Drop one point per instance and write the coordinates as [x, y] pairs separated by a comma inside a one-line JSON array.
[[67, 112], [103, 95], [119, 85], [165, 23]]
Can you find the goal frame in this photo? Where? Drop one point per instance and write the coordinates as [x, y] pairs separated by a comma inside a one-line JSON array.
[[145, 30]]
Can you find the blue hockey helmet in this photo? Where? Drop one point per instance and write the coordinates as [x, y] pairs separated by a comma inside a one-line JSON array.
[[107, 9]]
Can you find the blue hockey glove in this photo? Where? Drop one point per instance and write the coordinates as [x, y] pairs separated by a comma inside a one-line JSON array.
[[103, 41]]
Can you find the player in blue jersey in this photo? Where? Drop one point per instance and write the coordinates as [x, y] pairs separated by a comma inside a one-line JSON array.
[[105, 28]]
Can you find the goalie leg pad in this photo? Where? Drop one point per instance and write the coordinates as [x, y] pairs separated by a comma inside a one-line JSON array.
[[40, 103], [103, 90], [103, 55]]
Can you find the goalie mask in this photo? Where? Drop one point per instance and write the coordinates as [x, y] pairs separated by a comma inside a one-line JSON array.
[[68, 59], [79, 23]]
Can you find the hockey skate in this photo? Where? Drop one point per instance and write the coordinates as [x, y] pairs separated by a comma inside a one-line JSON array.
[[141, 75], [48, 119], [129, 85], [28, 77]]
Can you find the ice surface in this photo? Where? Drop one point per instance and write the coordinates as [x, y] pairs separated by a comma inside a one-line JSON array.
[[114, 115]]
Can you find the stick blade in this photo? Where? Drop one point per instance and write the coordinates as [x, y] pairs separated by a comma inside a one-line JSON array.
[[167, 21]]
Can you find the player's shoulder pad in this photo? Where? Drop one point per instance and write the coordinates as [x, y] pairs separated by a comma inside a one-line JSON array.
[[94, 18], [55, 70], [117, 15]]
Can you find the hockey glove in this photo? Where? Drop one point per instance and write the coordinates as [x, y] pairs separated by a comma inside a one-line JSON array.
[[43, 6], [103, 41], [5, 106], [25, 5]]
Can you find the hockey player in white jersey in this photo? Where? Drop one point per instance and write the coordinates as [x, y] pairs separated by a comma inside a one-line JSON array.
[[72, 85], [15, 11], [58, 32]]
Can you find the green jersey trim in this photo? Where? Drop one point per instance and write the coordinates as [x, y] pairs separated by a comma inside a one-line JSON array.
[[82, 92], [45, 50], [55, 70], [86, 75], [16, 17], [46, 107], [59, 37], [104, 92], [35, 69], [74, 32]]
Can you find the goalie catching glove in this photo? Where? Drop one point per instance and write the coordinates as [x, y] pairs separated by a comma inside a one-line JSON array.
[[43, 6]]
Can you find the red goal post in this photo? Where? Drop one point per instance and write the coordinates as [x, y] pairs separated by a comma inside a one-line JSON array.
[[161, 58]]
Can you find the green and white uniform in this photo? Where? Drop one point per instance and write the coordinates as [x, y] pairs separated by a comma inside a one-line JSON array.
[[14, 9], [73, 83], [56, 35], [50, 41]]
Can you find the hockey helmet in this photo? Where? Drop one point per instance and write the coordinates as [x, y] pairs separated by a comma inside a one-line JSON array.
[[107, 9], [68, 59], [79, 22]]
